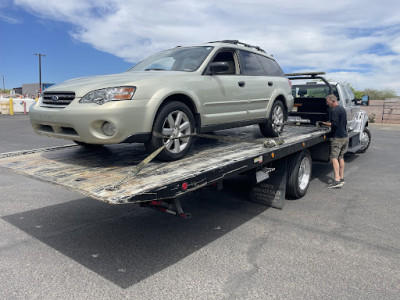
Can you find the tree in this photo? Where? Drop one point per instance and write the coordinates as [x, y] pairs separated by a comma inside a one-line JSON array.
[[373, 93]]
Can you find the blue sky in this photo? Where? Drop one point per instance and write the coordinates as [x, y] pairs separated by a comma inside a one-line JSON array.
[[355, 41]]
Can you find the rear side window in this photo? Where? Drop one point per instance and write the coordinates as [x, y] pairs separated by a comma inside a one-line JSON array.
[[250, 64], [270, 66]]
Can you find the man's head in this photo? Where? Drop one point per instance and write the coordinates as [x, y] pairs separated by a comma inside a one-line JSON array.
[[331, 100]]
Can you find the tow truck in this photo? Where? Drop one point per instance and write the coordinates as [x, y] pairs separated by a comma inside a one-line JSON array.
[[120, 174]]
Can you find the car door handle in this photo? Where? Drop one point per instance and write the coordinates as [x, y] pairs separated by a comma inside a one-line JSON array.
[[270, 83], [241, 83]]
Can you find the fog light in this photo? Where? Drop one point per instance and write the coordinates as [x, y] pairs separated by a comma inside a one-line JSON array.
[[109, 128]]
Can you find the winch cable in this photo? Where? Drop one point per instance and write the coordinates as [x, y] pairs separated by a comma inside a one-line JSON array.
[[268, 143]]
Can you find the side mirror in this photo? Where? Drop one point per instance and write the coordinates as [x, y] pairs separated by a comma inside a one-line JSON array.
[[365, 100], [218, 67]]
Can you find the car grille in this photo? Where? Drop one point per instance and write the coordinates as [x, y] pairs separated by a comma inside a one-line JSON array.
[[57, 99]]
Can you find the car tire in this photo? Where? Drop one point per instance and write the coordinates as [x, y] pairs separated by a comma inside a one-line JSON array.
[[365, 140], [173, 119], [299, 170], [89, 146], [275, 121]]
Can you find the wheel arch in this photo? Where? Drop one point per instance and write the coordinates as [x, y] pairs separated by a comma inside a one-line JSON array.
[[279, 97], [283, 100], [185, 99]]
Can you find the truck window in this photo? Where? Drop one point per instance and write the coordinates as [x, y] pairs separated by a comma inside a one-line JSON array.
[[312, 91], [350, 93], [250, 64]]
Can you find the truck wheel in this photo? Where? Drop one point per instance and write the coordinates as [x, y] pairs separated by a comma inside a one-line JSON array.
[[299, 174], [365, 140], [174, 120], [274, 125]]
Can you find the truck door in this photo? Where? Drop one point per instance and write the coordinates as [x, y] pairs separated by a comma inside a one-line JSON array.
[[351, 109]]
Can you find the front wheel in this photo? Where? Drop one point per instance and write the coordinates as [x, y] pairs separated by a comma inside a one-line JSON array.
[[275, 123], [365, 140], [299, 174], [176, 122]]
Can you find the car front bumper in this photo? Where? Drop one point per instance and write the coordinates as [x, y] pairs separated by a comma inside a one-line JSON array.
[[132, 120]]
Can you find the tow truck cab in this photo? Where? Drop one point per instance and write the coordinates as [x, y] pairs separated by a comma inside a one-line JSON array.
[[310, 106]]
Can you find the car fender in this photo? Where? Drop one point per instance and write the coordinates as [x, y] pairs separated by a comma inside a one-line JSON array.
[[166, 93], [287, 100]]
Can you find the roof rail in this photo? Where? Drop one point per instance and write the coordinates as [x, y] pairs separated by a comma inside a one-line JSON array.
[[236, 42]]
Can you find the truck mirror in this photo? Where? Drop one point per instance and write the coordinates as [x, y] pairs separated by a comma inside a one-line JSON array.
[[365, 100]]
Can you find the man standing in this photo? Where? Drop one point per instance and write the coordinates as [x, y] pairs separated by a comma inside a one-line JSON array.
[[339, 141]]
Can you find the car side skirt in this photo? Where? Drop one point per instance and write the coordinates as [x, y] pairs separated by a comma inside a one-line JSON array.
[[209, 128]]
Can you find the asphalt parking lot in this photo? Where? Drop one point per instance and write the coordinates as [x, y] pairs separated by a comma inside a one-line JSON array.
[[330, 244]]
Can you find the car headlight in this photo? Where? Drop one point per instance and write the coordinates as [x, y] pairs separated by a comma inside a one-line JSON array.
[[109, 94]]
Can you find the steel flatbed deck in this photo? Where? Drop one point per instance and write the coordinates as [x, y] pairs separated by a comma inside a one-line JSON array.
[[92, 171]]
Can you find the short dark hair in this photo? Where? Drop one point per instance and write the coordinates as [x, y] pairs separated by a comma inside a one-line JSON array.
[[331, 97]]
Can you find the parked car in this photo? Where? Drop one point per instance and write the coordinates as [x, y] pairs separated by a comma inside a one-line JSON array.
[[202, 88]]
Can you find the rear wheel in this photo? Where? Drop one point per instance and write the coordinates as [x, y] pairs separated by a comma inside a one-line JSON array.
[[275, 123], [365, 140], [299, 174], [176, 122]]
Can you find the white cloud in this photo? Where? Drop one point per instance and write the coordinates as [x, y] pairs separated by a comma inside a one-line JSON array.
[[302, 35]]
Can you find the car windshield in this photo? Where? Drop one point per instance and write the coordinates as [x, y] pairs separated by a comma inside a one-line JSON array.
[[312, 91], [177, 59]]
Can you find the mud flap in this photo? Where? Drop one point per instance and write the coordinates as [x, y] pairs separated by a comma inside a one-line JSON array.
[[271, 191]]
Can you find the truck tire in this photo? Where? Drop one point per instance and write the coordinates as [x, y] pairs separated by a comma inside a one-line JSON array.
[[299, 170], [275, 123], [174, 119], [365, 140]]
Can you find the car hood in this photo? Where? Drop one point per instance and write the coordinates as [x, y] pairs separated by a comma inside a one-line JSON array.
[[81, 86]]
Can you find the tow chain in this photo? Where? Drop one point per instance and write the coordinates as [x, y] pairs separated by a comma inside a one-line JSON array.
[[269, 143]]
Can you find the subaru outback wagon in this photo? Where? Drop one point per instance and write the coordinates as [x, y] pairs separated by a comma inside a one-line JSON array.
[[174, 93]]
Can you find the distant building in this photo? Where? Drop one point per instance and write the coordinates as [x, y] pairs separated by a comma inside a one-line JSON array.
[[32, 89], [17, 90]]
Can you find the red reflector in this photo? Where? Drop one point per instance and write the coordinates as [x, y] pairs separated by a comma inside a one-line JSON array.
[[184, 186]]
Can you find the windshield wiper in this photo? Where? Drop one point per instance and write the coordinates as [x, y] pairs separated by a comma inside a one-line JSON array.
[[154, 69]]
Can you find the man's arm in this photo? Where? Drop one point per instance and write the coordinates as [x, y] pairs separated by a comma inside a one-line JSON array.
[[325, 123]]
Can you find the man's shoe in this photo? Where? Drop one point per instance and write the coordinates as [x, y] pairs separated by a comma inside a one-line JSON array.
[[342, 180], [335, 184]]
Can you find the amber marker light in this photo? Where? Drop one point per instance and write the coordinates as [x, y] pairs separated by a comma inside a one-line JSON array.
[[125, 93]]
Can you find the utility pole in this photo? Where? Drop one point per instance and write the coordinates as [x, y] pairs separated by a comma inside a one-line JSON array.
[[40, 70], [4, 89]]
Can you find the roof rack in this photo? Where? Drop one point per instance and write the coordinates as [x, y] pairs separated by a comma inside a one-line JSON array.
[[310, 75], [236, 42]]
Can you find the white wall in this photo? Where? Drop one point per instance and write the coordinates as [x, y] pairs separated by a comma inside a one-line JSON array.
[[19, 104]]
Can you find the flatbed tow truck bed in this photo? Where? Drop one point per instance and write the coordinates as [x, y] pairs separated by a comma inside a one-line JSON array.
[[93, 171]]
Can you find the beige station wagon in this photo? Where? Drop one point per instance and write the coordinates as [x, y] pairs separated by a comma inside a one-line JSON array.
[[177, 92]]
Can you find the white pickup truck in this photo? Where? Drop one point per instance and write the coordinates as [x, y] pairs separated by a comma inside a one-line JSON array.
[[310, 106]]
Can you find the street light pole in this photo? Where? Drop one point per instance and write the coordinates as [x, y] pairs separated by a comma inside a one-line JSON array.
[[4, 89], [40, 71]]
